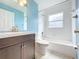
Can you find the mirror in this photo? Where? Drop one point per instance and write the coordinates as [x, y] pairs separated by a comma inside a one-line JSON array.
[[12, 16]]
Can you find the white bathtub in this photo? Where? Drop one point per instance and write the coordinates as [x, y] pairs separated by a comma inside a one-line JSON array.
[[64, 48]]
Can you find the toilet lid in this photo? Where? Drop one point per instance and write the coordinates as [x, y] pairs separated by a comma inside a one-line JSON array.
[[45, 42]]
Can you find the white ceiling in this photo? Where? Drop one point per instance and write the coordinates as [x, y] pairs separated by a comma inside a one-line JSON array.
[[43, 4]]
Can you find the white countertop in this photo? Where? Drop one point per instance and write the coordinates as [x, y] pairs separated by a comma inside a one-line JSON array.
[[11, 34]]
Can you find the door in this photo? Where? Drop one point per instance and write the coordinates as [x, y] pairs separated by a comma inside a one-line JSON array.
[[76, 28]]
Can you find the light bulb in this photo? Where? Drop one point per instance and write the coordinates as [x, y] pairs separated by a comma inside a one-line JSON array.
[[21, 4], [24, 1]]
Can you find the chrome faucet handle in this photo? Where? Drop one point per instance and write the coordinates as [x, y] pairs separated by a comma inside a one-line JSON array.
[[14, 29], [75, 16]]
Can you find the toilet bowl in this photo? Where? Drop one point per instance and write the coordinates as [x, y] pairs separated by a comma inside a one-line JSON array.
[[40, 47]]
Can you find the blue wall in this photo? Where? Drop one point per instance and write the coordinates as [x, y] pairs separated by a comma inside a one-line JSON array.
[[32, 10], [19, 16]]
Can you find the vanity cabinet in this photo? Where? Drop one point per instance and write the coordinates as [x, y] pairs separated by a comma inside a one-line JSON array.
[[22, 47]]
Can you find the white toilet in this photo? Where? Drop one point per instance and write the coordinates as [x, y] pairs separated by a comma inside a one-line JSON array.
[[40, 47]]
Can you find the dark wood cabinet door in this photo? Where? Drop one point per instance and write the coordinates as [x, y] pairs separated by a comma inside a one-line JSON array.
[[14, 52], [3, 54], [28, 50]]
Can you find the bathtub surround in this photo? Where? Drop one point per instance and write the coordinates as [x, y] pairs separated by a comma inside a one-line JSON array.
[[59, 34]]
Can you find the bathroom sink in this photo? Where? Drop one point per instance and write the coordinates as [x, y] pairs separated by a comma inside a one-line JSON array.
[[11, 34]]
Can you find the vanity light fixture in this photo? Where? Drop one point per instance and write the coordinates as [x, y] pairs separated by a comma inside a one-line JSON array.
[[22, 2]]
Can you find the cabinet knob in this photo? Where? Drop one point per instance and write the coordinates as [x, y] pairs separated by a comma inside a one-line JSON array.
[[22, 45]]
